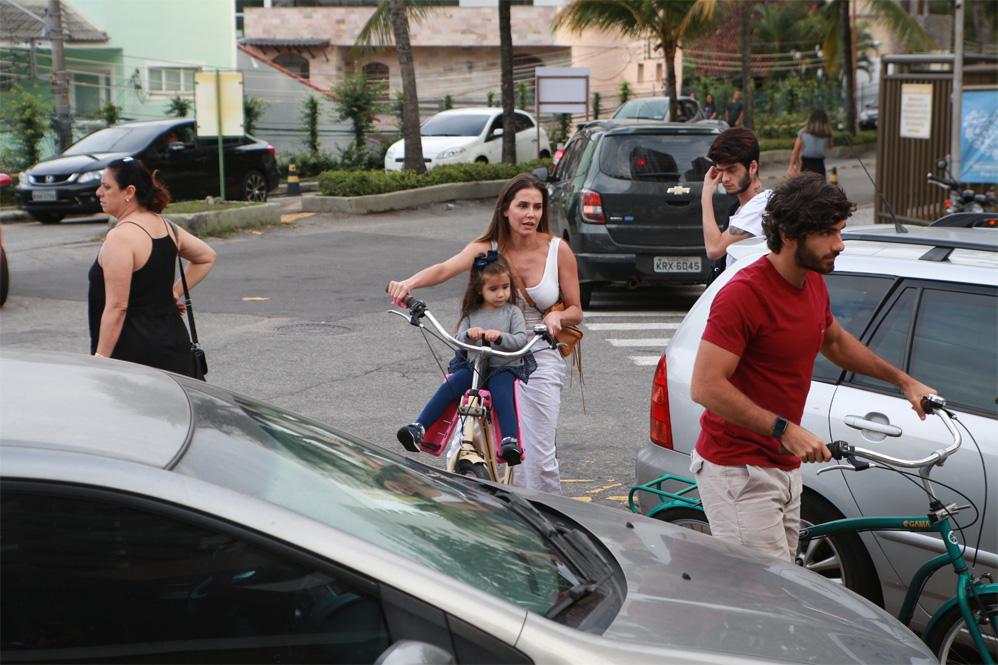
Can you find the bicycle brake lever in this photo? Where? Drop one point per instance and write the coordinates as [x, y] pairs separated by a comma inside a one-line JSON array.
[[849, 467]]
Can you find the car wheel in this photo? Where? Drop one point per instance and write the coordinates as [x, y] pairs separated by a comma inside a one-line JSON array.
[[254, 187], [474, 469], [586, 294], [4, 277], [951, 642], [842, 559], [545, 154], [48, 217], [688, 518], [482, 160]]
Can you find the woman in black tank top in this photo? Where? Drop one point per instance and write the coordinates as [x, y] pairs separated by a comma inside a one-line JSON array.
[[135, 299]]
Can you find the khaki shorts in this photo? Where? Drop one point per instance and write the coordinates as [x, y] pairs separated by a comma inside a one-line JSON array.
[[756, 506]]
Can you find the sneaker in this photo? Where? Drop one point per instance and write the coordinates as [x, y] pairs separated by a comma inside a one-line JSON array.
[[509, 450], [411, 436]]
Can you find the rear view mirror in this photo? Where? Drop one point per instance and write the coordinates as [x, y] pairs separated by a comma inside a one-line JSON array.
[[941, 164]]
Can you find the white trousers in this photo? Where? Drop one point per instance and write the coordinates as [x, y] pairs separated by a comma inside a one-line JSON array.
[[540, 401]]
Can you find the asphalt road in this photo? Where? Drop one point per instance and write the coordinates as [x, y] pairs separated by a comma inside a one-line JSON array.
[[297, 315]]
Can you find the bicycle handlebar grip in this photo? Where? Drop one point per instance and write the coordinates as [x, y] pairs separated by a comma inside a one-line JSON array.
[[933, 403], [838, 449]]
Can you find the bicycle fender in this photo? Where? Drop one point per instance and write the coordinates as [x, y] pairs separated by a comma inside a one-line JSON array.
[[982, 589]]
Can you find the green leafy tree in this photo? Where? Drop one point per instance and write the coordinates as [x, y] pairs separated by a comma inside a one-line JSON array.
[[110, 113], [491, 97], [665, 22], [596, 105], [309, 115], [448, 102], [388, 23], [180, 107], [253, 109], [27, 117], [624, 92], [521, 95], [359, 101]]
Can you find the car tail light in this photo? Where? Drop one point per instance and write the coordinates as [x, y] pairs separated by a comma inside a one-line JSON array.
[[947, 203], [271, 149], [557, 155], [592, 207], [661, 423]]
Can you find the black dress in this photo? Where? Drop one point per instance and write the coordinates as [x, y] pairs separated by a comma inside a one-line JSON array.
[[153, 332]]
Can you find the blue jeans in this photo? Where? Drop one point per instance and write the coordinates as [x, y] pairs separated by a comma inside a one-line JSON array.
[[500, 385]]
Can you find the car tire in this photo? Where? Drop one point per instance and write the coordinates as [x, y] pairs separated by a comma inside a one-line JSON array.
[[545, 154], [254, 187], [841, 559], [48, 217], [4, 277], [951, 645], [586, 294], [474, 469], [688, 518], [482, 160]]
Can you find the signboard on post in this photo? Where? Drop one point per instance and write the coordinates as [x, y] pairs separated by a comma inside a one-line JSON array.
[[979, 137], [218, 108], [916, 110], [561, 90]]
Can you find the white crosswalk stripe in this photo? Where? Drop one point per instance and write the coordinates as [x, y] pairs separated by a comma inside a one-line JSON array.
[[647, 350]]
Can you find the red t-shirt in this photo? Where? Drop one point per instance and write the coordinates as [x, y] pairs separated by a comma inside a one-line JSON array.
[[777, 330]]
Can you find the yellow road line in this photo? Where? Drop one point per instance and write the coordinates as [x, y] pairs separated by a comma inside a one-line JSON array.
[[600, 489]]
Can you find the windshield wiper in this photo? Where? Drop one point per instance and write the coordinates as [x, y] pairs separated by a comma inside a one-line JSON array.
[[574, 595]]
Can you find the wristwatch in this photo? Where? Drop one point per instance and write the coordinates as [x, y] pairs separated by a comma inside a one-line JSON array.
[[779, 427]]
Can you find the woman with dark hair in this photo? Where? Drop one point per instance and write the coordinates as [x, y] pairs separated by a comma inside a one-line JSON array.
[[812, 144], [710, 108], [135, 299], [519, 230]]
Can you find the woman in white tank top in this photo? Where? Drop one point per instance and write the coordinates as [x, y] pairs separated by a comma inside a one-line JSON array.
[[547, 267]]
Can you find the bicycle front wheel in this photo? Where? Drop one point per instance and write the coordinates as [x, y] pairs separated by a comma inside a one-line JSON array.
[[474, 469], [951, 641]]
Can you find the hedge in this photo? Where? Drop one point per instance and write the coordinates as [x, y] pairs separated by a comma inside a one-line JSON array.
[[363, 183]]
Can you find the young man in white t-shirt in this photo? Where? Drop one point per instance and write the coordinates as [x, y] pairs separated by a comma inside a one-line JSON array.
[[735, 153]]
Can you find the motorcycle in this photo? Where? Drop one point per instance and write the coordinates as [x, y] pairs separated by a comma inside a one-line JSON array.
[[961, 200]]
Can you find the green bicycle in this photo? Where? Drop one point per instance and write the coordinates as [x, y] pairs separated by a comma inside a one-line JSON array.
[[965, 628]]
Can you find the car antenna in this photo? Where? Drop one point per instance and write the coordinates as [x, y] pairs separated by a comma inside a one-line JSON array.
[[898, 227]]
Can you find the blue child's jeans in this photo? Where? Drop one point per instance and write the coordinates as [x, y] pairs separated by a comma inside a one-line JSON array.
[[500, 385]]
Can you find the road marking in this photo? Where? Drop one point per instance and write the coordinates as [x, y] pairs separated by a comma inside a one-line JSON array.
[[660, 325], [582, 498], [643, 361], [651, 341], [643, 315], [600, 489]]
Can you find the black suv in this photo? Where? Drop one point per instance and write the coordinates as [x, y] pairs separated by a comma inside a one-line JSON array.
[[67, 183], [626, 197]]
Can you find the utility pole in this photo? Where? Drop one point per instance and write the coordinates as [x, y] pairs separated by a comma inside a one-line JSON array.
[[957, 101], [60, 80]]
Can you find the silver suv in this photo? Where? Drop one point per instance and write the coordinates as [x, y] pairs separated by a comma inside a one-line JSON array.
[[925, 301]]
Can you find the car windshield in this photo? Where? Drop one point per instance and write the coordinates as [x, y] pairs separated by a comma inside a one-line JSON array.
[[644, 109], [656, 157], [434, 518], [454, 125], [114, 139]]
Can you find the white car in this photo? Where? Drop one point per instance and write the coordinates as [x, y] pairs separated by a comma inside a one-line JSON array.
[[461, 136], [926, 301]]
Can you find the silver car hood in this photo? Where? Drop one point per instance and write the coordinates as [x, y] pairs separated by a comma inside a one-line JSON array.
[[691, 591]]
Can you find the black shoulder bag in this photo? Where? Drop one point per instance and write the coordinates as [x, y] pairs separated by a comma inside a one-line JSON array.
[[199, 363]]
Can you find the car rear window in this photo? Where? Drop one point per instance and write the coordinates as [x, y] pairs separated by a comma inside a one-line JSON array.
[[681, 157], [454, 125]]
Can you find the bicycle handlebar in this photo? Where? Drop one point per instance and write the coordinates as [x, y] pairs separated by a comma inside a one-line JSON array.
[[932, 404], [417, 311]]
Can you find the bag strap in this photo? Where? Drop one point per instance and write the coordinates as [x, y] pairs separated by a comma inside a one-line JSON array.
[[522, 288], [187, 294]]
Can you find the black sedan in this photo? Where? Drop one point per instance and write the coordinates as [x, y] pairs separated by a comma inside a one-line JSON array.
[[66, 184]]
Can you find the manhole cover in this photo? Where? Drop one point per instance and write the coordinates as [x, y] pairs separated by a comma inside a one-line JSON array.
[[311, 329]]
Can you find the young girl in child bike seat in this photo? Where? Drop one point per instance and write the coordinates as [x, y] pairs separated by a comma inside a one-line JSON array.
[[488, 312]]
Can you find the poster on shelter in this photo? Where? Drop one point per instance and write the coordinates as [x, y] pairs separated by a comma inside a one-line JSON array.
[[979, 136], [916, 110]]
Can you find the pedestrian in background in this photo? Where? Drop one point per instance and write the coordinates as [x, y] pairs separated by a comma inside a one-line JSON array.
[[710, 109], [135, 300], [734, 110], [811, 146]]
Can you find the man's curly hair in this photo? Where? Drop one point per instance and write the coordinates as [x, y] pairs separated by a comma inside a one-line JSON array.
[[801, 205]]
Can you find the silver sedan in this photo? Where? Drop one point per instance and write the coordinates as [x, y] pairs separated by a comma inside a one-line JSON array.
[[151, 518]]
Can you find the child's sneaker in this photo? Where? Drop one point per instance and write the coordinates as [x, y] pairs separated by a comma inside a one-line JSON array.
[[411, 436], [509, 450]]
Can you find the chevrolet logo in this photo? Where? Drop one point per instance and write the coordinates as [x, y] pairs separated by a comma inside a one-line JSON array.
[[50, 178], [678, 189]]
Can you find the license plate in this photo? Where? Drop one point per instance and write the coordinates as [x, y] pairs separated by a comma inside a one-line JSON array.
[[39, 195], [677, 264]]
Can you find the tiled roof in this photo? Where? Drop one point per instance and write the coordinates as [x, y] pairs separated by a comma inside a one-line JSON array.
[[287, 43], [18, 25]]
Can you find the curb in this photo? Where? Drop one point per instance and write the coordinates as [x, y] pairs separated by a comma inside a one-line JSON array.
[[8, 216], [409, 198], [221, 221]]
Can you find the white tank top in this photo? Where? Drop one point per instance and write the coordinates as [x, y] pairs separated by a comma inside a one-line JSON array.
[[546, 292]]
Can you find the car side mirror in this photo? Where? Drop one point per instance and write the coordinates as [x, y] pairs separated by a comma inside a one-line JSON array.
[[941, 164], [405, 652], [542, 174]]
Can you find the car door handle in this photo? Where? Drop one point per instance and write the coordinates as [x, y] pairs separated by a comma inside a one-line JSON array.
[[858, 422]]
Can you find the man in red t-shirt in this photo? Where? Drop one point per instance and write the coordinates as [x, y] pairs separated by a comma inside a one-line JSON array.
[[753, 370]]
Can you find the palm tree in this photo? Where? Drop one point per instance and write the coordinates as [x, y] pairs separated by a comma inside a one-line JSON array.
[[665, 21], [837, 49], [506, 84], [391, 21]]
